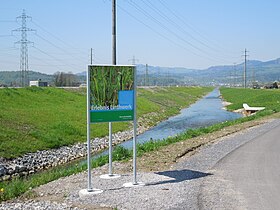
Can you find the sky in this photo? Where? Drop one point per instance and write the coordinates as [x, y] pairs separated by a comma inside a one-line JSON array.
[[170, 33]]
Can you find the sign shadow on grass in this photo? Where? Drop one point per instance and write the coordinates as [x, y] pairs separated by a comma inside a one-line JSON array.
[[179, 176]]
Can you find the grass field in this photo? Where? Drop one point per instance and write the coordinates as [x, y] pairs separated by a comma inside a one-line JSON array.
[[34, 119], [270, 99]]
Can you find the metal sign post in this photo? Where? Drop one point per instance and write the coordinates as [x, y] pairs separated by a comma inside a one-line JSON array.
[[134, 182], [89, 191], [110, 175]]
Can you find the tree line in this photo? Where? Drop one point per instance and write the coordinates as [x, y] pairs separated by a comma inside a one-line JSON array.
[[62, 79]]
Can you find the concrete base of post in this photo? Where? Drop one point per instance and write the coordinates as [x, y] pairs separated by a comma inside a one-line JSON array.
[[131, 184], [84, 193], [110, 176]]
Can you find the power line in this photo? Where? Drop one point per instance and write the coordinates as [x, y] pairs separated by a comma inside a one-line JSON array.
[[193, 28], [7, 21], [156, 32], [9, 49], [162, 25], [8, 35], [54, 58], [158, 11], [24, 48], [65, 52], [59, 48], [57, 38]]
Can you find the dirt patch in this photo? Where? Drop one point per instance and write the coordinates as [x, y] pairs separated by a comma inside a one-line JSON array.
[[164, 158]]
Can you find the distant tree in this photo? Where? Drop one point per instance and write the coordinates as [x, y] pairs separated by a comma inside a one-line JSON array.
[[62, 79], [275, 85]]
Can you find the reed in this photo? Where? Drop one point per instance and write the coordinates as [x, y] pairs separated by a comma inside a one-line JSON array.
[[107, 81]]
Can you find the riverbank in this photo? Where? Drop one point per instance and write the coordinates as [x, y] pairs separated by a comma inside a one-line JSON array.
[[33, 162], [165, 101]]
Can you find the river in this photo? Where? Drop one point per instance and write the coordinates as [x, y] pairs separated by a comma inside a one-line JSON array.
[[205, 112]]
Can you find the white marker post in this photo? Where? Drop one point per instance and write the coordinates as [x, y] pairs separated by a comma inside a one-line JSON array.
[[89, 191]]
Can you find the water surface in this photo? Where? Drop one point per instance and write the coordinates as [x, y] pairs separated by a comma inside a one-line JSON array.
[[205, 112]]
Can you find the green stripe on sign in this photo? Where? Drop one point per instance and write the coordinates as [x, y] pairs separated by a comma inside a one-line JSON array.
[[111, 116]]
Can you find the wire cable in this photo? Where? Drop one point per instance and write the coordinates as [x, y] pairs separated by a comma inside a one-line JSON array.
[[193, 28], [137, 7]]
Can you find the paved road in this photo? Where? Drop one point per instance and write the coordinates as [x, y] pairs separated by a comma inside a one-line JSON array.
[[248, 177]]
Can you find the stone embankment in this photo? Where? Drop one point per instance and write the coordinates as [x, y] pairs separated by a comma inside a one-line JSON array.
[[33, 162]]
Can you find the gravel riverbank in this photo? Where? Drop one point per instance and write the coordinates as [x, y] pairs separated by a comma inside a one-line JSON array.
[[185, 186], [33, 162]]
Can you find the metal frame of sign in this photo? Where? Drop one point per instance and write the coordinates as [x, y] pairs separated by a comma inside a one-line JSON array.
[[89, 121], [111, 93]]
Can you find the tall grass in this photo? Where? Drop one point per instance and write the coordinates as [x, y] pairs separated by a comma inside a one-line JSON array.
[[106, 81]]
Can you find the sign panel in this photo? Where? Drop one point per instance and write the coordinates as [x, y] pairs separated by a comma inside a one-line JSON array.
[[111, 93]]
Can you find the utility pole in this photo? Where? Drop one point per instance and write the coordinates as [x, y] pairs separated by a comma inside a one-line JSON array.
[[253, 76], [114, 37], [230, 78], [245, 68], [133, 60], [168, 79], [234, 69], [146, 76], [158, 79], [23, 48], [91, 56], [114, 62]]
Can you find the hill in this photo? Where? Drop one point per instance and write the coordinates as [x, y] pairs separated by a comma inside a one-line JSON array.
[[263, 72], [12, 78]]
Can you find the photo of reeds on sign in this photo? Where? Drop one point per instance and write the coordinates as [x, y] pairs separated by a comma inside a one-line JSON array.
[[111, 93]]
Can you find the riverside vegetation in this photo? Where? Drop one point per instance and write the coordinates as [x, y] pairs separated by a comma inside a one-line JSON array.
[[19, 186], [34, 118], [268, 98]]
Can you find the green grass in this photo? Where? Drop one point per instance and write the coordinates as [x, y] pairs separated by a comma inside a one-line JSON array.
[[34, 119], [270, 99]]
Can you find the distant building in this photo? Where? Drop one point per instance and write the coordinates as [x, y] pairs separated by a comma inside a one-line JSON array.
[[38, 83]]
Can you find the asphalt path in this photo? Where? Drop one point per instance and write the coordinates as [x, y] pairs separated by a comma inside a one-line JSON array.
[[248, 177]]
